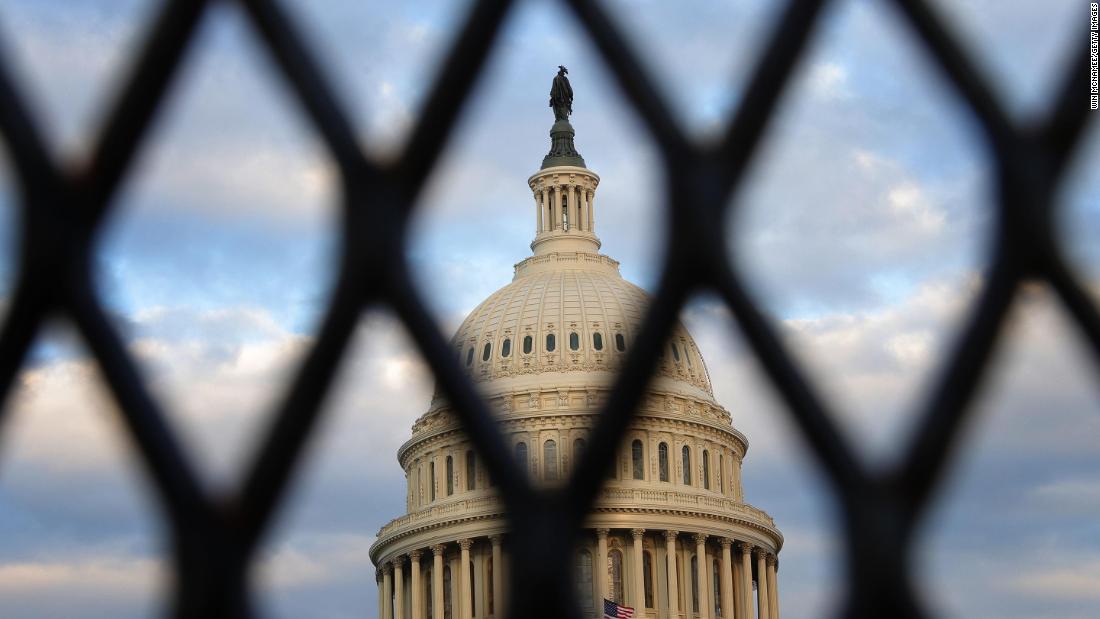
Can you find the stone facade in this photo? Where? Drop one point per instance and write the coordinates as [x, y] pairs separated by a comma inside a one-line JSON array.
[[544, 351]]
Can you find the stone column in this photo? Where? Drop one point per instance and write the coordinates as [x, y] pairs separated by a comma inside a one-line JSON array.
[[601, 566], [437, 581], [746, 579], [556, 215], [381, 594], [773, 587], [538, 211], [583, 205], [399, 588], [387, 591], [591, 210], [466, 605], [498, 575], [417, 595], [705, 608], [639, 573], [670, 555], [547, 206], [725, 579], [575, 206], [762, 583]]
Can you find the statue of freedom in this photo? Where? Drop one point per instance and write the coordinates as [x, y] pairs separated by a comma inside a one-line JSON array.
[[561, 95]]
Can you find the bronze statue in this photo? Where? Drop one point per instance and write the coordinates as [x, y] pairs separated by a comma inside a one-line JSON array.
[[561, 95]]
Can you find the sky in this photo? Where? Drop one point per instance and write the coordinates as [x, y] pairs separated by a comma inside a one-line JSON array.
[[862, 230]]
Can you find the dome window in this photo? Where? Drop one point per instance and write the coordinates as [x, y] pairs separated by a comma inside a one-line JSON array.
[[450, 475], [662, 461], [528, 342], [431, 474], [521, 456], [487, 351], [620, 342], [706, 469], [574, 341], [551, 343], [550, 460], [506, 348], [687, 465], [637, 459], [597, 341], [675, 353], [470, 357]]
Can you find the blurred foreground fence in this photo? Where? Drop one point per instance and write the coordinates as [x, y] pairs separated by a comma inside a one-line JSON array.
[[214, 538]]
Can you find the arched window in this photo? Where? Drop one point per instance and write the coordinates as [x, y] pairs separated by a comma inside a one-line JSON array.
[[528, 341], [597, 341], [637, 459], [675, 352], [662, 461], [695, 584], [574, 341], [687, 355], [487, 351], [620, 342], [470, 356], [431, 474], [551, 343], [506, 348], [450, 475], [615, 576], [706, 469], [716, 586], [584, 580], [647, 577], [687, 465], [471, 470], [447, 612], [721, 474], [521, 456], [550, 460]]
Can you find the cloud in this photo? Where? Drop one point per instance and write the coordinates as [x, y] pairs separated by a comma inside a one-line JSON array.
[[862, 227], [102, 586], [1076, 583], [828, 80]]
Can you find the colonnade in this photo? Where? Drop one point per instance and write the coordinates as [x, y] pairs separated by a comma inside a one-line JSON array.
[[479, 594], [468, 597], [564, 207]]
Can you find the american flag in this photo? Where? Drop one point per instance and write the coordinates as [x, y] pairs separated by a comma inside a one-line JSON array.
[[611, 610]]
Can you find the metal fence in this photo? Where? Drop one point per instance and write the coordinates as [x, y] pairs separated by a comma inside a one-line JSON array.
[[214, 538]]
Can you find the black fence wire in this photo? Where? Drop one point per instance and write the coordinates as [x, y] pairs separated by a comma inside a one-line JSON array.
[[214, 538]]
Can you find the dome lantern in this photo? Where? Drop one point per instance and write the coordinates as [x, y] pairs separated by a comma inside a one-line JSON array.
[[564, 189]]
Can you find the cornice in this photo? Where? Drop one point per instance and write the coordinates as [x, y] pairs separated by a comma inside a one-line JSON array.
[[382, 547]]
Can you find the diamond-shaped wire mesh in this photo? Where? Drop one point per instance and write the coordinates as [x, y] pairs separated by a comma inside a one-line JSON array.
[[214, 538]]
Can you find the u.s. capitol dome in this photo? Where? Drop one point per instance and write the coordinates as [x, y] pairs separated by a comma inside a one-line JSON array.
[[545, 349]]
